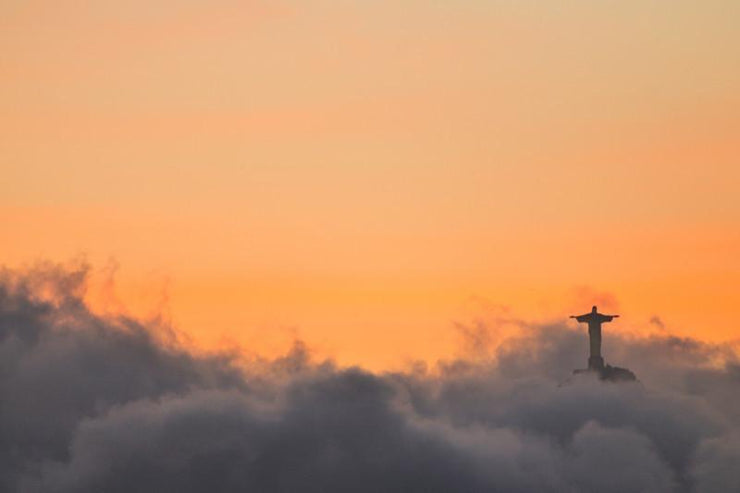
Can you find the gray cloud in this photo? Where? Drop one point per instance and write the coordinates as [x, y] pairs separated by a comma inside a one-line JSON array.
[[91, 403]]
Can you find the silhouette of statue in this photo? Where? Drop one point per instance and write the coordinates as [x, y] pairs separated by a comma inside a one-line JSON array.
[[594, 319]]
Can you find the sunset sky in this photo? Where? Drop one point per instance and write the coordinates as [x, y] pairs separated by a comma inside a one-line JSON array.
[[368, 175]]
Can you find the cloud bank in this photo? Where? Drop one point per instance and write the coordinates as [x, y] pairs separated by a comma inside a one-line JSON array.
[[91, 403]]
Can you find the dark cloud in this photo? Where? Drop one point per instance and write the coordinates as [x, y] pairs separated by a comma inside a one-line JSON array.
[[91, 403]]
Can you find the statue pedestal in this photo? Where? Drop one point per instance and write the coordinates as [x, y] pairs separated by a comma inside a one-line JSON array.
[[609, 373]]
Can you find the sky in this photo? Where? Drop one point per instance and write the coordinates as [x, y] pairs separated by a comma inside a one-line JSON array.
[[369, 177]]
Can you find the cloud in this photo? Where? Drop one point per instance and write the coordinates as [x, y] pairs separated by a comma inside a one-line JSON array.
[[658, 322], [92, 403], [587, 296], [715, 468]]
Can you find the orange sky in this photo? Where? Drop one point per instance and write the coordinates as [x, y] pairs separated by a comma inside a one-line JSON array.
[[365, 174]]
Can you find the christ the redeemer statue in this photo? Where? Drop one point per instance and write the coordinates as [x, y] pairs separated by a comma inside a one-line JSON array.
[[594, 321]]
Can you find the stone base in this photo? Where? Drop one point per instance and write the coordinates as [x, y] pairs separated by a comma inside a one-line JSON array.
[[610, 373]]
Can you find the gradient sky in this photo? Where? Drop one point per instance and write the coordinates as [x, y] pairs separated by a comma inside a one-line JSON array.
[[366, 174]]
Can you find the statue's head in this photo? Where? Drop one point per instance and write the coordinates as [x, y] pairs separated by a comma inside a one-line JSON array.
[[593, 309]]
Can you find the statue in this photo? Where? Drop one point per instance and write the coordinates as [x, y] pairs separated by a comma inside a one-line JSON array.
[[596, 365], [594, 321]]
